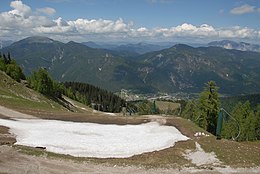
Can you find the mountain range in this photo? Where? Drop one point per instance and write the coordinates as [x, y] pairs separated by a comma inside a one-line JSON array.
[[180, 68], [242, 46], [5, 43], [130, 49]]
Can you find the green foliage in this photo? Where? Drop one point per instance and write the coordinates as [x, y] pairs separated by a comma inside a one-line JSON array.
[[43, 83], [230, 102], [146, 107], [2, 64], [190, 111], [204, 112], [93, 96], [209, 106], [248, 121], [10, 67], [258, 122]]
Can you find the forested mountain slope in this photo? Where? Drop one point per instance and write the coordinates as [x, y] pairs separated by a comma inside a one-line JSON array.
[[180, 68]]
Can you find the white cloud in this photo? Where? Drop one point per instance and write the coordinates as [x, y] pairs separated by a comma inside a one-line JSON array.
[[85, 26], [188, 30], [20, 9], [21, 22], [243, 9], [47, 10], [60, 27], [238, 32]]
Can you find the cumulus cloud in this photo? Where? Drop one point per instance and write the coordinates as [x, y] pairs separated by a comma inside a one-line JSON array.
[[238, 32], [22, 21], [243, 9], [85, 26], [20, 9], [60, 27], [47, 10], [187, 30]]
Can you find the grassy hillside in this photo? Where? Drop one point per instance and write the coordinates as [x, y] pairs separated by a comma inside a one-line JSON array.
[[17, 96]]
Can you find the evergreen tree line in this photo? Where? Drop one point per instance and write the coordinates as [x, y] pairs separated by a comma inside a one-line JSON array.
[[93, 96], [147, 107], [248, 120], [42, 82], [204, 112], [10, 67]]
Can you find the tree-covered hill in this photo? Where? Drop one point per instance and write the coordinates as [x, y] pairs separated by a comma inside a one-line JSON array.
[[180, 68], [95, 97]]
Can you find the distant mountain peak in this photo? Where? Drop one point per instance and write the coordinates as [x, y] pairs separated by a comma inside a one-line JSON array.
[[182, 47], [242, 46], [36, 39]]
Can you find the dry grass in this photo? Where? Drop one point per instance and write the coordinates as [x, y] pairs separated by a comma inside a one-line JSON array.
[[235, 154], [165, 106]]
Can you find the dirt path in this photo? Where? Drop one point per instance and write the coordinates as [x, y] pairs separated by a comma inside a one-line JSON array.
[[11, 161], [14, 114]]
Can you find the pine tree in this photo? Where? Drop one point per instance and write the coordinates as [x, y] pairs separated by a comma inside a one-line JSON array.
[[190, 111], [5, 59], [257, 128], [8, 57], [209, 107], [247, 123]]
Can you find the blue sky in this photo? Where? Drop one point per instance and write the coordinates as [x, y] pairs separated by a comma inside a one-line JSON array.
[[132, 20]]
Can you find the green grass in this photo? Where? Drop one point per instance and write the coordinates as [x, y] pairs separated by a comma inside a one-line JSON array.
[[13, 94], [17, 96]]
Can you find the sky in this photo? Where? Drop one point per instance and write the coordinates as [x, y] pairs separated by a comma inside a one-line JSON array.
[[184, 21]]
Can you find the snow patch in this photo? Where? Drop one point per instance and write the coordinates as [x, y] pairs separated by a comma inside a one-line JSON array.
[[200, 134], [93, 140], [109, 113], [200, 157]]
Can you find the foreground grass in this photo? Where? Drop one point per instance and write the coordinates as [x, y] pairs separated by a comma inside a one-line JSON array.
[[235, 154]]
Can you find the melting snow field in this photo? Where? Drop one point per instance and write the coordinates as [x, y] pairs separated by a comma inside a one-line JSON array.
[[93, 140]]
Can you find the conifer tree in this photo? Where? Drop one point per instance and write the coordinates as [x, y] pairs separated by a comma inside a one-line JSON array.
[[246, 126], [209, 104]]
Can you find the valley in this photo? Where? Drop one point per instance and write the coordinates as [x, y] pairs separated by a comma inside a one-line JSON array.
[[180, 68]]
